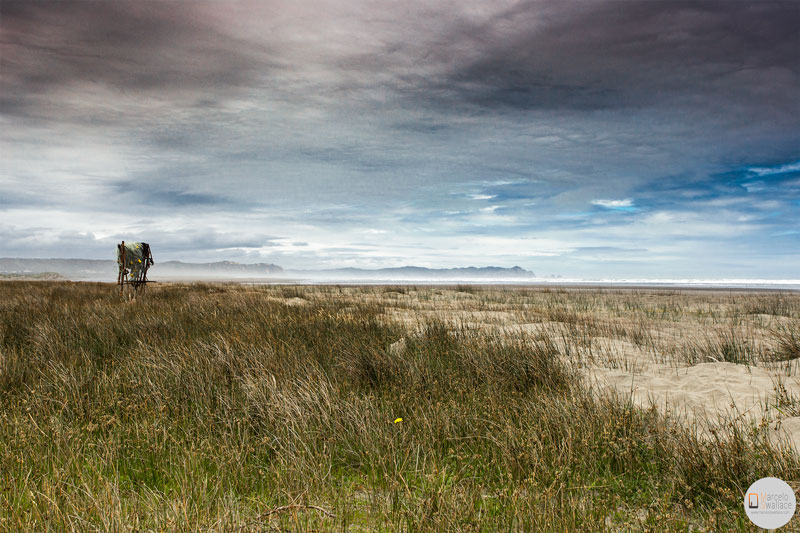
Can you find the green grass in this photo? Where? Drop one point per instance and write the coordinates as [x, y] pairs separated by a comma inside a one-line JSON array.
[[210, 407]]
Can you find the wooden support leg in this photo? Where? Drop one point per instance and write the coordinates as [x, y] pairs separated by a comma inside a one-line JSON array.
[[122, 268]]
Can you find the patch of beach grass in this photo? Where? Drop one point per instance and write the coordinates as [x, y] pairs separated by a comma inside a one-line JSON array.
[[217, 407]]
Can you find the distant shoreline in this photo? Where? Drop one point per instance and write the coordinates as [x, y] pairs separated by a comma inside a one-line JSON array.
[[571, 284]]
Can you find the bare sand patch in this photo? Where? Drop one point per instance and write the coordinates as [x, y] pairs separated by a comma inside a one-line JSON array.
[[707, 394]]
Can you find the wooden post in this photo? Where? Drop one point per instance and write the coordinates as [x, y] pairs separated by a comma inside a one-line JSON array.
[[122, 269]]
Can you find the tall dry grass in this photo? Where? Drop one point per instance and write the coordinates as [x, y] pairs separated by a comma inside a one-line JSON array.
[[214, 407]]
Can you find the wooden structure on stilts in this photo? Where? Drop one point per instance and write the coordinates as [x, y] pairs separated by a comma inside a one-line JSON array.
[[134, 259]]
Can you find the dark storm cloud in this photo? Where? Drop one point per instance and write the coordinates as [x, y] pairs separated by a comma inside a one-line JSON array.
[[530, 56], [624, 54], [126, 45]]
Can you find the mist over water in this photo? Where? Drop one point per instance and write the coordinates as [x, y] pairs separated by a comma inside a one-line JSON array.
[[766, 284], [264, 273]]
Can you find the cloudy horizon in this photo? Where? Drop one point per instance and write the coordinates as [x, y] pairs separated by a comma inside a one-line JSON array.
[[586, 139]]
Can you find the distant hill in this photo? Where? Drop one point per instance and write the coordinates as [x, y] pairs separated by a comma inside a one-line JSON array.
[[96, 269], [106, 270], [219, 269], [411, 273]]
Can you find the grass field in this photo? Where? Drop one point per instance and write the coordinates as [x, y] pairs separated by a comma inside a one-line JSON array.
[[257, 408]]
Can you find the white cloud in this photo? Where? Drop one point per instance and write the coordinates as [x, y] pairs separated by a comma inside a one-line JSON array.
[[614, 204], [766, 171], [756, 186]]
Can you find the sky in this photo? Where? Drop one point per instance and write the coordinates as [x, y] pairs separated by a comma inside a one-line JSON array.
[[587, 139]]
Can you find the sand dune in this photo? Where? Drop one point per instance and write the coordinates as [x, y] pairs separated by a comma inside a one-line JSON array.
[[709, 394]]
